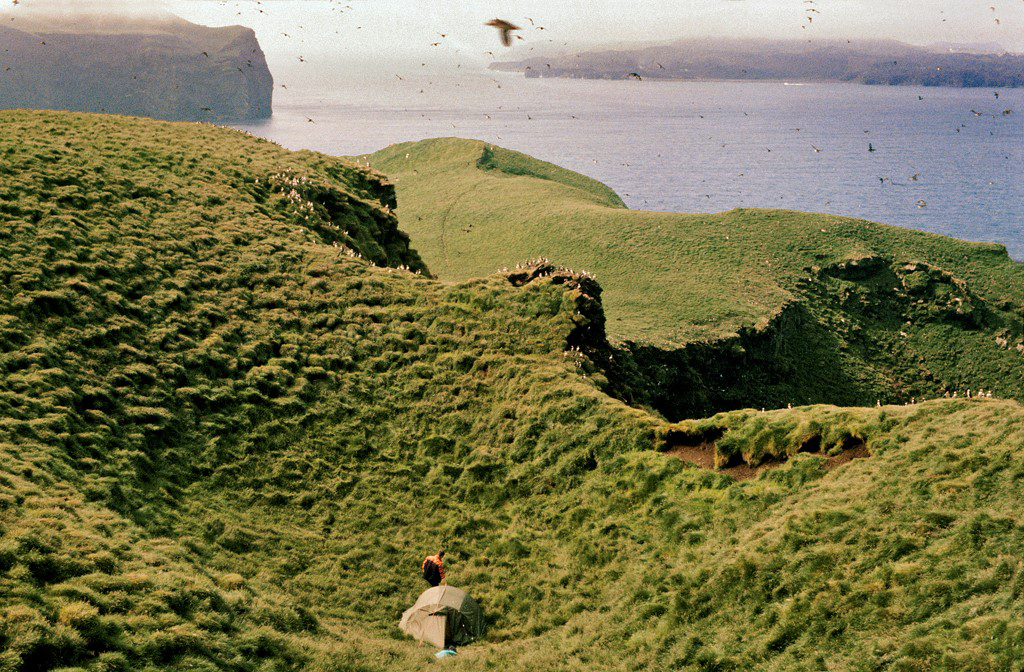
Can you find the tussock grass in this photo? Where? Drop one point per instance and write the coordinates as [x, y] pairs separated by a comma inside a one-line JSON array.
[[227, 445]]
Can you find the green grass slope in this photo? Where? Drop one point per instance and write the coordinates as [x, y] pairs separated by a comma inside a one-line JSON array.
[[471, 216], [796, 307], [181, 307], [226, 444]]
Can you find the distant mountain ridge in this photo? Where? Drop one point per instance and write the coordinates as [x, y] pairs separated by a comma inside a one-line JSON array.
[[969, 47], [162, 67], [865, 62]]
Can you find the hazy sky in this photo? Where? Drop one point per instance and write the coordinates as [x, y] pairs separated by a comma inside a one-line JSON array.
[[388, 32], [389, 26]]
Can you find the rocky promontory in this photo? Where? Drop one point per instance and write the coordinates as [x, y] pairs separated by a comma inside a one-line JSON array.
[[158, 66]]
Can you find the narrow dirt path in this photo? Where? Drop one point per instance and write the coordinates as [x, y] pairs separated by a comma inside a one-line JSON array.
[[444, 224]]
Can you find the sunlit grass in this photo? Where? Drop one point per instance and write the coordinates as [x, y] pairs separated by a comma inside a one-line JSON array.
[[226, 444], [797, 307]]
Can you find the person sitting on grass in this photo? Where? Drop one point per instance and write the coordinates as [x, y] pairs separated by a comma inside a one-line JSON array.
[[433, 569]]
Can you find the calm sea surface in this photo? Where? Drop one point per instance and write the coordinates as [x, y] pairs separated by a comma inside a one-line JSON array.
[[948, 161]]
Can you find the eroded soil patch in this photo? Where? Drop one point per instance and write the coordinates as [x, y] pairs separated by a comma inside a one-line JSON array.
[[856, 451], [703, 455]]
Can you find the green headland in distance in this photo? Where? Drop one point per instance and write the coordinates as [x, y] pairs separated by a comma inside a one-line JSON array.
[[747, 308], [235, 418]]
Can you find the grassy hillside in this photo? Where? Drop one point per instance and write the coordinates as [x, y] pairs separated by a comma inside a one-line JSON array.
[[743, 308], [226, 444], [211, 348]]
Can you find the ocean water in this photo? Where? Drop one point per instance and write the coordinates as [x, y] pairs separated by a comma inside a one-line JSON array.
[[945, 160]]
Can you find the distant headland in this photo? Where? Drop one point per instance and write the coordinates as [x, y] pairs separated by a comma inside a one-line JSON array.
[[864, 61], [158, 66]]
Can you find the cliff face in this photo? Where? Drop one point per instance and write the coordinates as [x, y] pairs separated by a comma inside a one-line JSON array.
[[167, 69], [872, 328]]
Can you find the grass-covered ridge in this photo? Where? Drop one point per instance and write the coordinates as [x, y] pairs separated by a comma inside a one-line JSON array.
[[179, 302], [508, 162], [742, 308], [226, 444]]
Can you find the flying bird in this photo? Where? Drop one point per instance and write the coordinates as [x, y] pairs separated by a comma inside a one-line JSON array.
[[505, 28]]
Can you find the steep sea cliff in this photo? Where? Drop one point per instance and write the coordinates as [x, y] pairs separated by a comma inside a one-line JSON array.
[[165, 68]]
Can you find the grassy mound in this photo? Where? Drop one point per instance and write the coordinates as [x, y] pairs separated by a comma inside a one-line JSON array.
[[743, 308], [227, 444]]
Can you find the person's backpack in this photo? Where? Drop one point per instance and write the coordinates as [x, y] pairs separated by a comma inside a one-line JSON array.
[[431, 573]]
